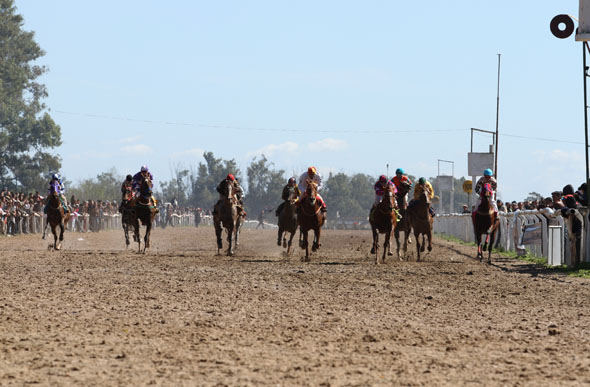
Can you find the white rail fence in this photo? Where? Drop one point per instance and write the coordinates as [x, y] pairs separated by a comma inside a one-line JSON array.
[[552, 237]]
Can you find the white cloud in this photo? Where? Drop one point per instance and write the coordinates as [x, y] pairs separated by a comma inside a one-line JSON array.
[[328, 144], [139, 149], [193, 152], [270, 149], [129, 140]]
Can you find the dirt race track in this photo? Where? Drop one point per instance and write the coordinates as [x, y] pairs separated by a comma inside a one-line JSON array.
[[94, 314]]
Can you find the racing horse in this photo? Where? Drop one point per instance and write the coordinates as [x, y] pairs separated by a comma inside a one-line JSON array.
[[144, 212], [310, 217], [288, 222], [421, 221], [485, 223], [129, 217], [228, 217], [404, 223], [383, 220], [56, 215]]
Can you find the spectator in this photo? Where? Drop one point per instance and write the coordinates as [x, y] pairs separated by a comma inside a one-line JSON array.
[[580, 195], [465, 209]]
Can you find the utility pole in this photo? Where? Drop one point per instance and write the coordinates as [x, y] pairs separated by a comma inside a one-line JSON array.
[[497, 116]]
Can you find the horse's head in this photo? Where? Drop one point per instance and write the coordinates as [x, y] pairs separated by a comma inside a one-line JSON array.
[[54, 188], [229, 190], [486, 191], [424, 196], [389, 196], [145, 189], [311, 190]]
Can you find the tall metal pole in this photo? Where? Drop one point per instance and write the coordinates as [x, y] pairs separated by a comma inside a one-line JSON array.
[[497, 116], [584, 48]]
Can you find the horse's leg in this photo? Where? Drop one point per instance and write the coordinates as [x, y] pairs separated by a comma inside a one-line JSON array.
[[386, 246], [429, 235], [375, 249], [217, 227], [478, 242], [290, 241], [416, 235], [316, 238], [45, 228], [389, 243], [280, 233], [423, 245], [126, 230], [305, 245], [54, 232], [136, 233], [146, 238], [396, 236], [230, 249]]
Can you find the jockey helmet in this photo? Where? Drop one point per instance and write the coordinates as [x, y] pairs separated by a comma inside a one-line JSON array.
[[311, 170], [55, 176], [230, 177], [400, 170], [292, 180], [382, 178], [129, 178], [488, 172], [422, 180], [144, 168]]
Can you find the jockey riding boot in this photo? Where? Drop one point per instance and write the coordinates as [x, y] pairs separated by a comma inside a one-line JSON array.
[[431, 212], [323, 207]]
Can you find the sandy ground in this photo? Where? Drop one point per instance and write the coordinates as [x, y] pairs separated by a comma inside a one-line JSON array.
[[94, 314]]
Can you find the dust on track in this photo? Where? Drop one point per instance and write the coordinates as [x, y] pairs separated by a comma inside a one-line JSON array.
[[95, 314]]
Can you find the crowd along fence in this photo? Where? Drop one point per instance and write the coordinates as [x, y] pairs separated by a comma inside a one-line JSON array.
[[544, 233]]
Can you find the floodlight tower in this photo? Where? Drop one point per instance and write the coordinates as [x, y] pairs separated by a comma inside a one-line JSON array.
[[562, 26]]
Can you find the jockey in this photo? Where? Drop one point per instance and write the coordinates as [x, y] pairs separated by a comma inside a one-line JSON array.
[[312, 175], [380, 188], [61, 191], [222, 188], [137, 179], [423, 185], [399, 178], [126, 191], [290, 187], [487, 179]]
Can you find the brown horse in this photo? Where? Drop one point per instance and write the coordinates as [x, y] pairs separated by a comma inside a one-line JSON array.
[[421, 221], [310, 217], [485, 223], [145, 212], [383, 220], [288, 222], [128, 217], [404, 224], [227, 216], [56, 215]]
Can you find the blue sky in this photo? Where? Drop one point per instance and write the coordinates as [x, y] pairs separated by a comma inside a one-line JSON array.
[[343, 85]]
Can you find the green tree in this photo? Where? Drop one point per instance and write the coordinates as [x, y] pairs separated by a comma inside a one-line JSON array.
[[27, 133], [265, 185], [179, 187], [209, 174], [349, 196], [106, 186]]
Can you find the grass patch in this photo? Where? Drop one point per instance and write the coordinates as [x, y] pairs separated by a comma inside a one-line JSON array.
[[580, 271]]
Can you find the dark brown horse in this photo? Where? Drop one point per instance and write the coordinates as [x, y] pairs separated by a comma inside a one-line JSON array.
[[227, 216], [310, 217], [288, 222], [485, 223], [128, 217], [145, 212], [421, 221], [383, 221], [404, 223], [56, 215]]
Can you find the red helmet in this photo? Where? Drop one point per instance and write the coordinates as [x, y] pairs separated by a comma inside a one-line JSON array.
[[382, 178], [230, 177]]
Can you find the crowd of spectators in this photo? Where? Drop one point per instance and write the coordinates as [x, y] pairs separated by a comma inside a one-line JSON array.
[[566, 198], [22, 213]]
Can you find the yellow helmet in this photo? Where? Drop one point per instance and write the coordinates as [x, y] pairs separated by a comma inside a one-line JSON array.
[[311, 170]]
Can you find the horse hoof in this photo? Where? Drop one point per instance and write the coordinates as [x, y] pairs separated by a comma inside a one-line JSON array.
[[389, 253], [279, 243], [373, 250], [284, 243], [429, 248]]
